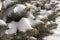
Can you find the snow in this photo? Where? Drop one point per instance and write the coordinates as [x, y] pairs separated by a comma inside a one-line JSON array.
[[2, 22], [8, 3], [24, 25], [52, 37], [12, 28], [19, 8], [56, 35], [0, 6]]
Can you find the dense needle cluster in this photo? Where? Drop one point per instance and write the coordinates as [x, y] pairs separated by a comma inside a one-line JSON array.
[[28, 19]]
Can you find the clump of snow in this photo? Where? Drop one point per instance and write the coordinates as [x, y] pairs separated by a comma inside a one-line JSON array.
[[7, 3], [24, 25], [52, 37], [2, 22], [19, 8]]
